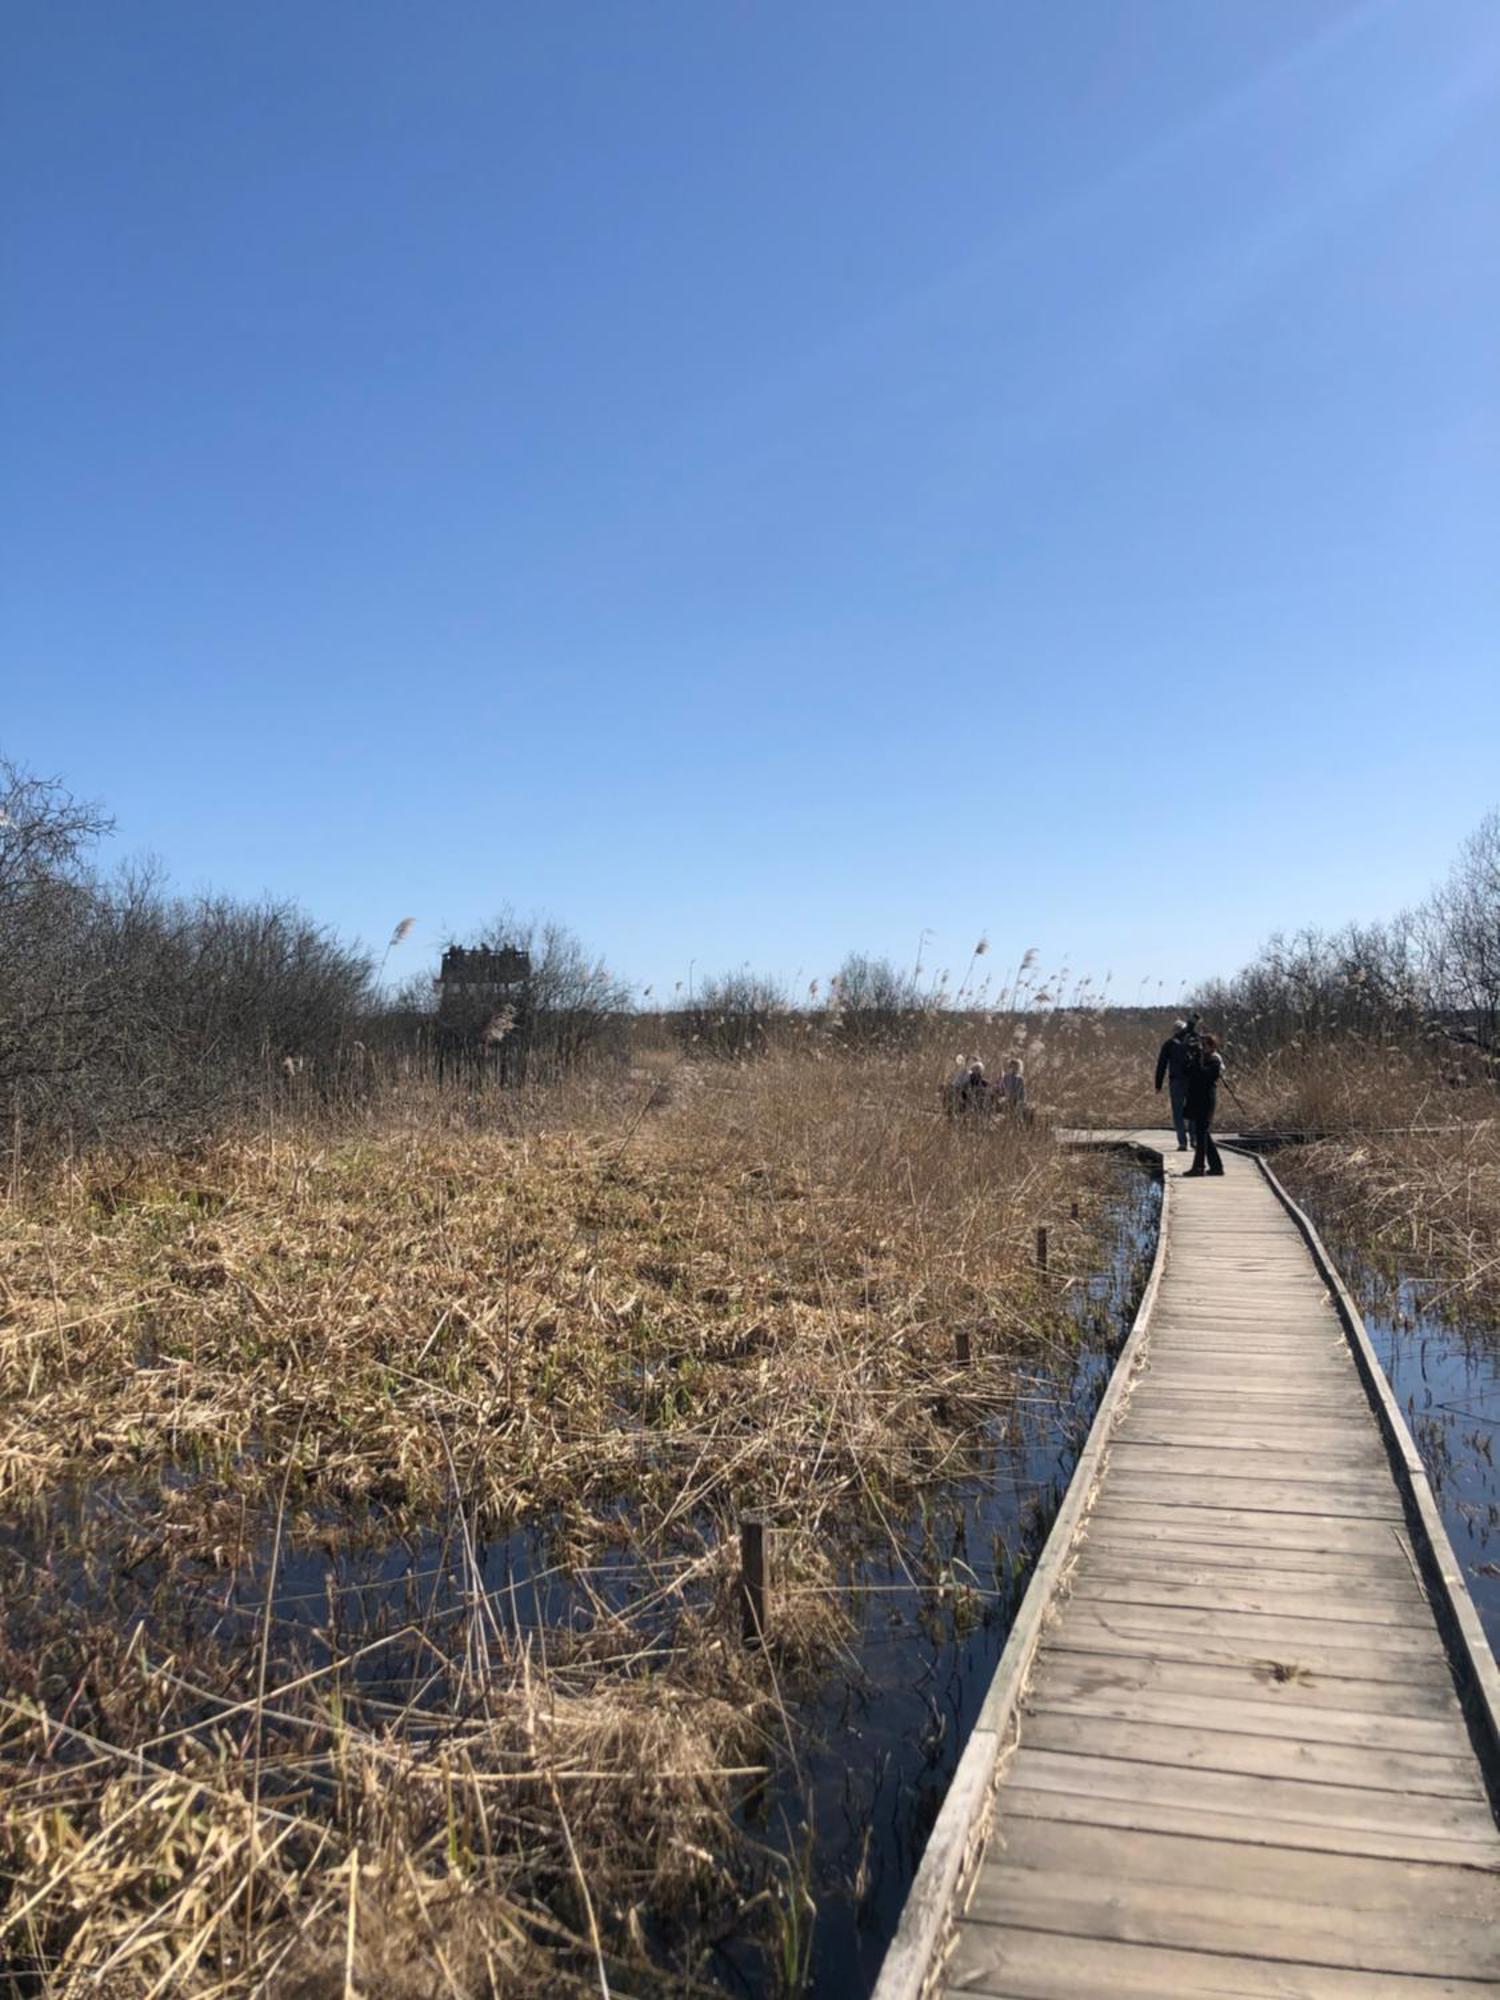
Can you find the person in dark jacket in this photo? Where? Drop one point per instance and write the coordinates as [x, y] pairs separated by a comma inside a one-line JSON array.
[[1172, 1065], [1202, 1103]]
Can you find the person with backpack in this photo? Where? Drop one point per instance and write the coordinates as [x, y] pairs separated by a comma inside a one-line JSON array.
[[1178, 1052], [1202, 1103]]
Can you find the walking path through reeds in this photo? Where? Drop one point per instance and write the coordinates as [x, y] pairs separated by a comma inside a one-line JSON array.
[[1246, 1736]]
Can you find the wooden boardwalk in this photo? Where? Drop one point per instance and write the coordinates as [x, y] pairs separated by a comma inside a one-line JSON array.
[[1245, 1736]]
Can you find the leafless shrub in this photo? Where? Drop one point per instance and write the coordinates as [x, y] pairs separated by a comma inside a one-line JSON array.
[[734, 1015], [874, 1004]]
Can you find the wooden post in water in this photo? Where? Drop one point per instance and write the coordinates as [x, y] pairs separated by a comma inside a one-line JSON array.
[[753, 1579], [1041, 1246]]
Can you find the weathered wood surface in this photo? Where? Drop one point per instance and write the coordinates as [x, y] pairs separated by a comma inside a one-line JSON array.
[[1231, 1756]]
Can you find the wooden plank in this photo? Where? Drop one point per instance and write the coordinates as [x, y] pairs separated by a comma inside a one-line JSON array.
[[1267, 1259], [1271, 1400], [1103, 1668], [1313, 1337], [1231, 1919], [1313, 1334], [1271, 1301], [1156, 1401], [1205, 1364], [1251, 1286], [1286, 1647], [1185, 1461], [1260, 1414], [1352, 1881], [1286, 1319], [1278, 1311], [1378, 1501], [1384, 1606], [1244, 1375], [1342, 1569], [1267, 1364], [1275, 1308], [1215, 1357], [1014, 1964], [1332, 1808], [1249, 1370], [1290, 1390], [1272, 1411], [1310, 1326], [1334, 1443], [1146, 1815], [1382, 1578], [1241, 1526], [1368, 1765], [1307, 1322], [1250, 1451], [1237, 1714], [1217, 1360]]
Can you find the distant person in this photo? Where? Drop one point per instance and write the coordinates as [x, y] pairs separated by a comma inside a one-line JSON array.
[[979, 1097], [1202, 1103], [955, 1085], [1178, 1053], [1012, 1087]]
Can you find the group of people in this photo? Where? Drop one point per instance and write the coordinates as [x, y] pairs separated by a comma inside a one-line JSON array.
[[1190, 1065], [969, 1091]]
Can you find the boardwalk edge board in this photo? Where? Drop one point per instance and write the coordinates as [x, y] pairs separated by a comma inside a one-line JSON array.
[[958, 1835], [1442, 1576]]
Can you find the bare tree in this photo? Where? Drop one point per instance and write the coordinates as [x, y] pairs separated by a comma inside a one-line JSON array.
[[872, 1001], [51, 995], [1428, 973], [124, 1010], [1465, 937]]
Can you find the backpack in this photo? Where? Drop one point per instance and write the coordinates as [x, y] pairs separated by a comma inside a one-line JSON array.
[[1192, 1057]]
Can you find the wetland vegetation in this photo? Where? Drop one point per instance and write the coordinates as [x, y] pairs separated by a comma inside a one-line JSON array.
[[374, 1446], [371, 1500]]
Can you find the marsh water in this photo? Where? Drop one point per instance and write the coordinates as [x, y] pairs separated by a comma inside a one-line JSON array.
[[1447, 1377], [883, 1739], [1444, 1365]]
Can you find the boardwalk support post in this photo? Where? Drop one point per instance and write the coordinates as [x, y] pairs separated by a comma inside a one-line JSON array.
[[1041, 1246], [753, 1579], [963, 1347]]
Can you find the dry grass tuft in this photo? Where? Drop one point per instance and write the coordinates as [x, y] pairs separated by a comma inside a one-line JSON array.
[[1419, 1204]]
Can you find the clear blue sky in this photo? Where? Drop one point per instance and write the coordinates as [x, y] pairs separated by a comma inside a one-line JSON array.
[[760, 480]]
